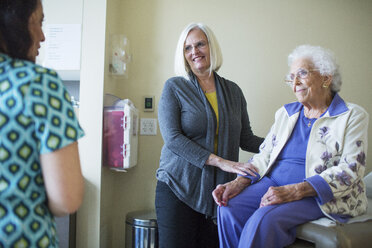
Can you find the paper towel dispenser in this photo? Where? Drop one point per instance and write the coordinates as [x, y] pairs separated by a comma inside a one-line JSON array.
[[120, 133]]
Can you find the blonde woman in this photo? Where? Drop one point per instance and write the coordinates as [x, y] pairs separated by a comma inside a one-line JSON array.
[[204, 121]]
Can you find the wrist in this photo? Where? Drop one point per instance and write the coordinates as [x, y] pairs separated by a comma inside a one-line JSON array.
[[213, 160], [244, 181], [305, 189]]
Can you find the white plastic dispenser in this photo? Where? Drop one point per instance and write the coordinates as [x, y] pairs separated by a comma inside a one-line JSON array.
[[120, 133]]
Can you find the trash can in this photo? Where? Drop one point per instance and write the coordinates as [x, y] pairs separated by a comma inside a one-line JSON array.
[[141, 230]]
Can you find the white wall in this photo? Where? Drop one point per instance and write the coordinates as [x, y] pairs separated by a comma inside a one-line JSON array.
[[90, 116], [255, 36]]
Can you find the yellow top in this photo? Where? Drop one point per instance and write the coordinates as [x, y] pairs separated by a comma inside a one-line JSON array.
[[212, 98]]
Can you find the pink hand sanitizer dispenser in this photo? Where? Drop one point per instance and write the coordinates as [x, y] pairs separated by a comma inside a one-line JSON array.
[[120, 134]]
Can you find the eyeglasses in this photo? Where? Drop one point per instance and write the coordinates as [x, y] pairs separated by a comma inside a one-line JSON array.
[[300, 74], [199, 45]]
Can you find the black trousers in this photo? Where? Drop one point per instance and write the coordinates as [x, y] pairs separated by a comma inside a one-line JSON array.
[[179, 225]]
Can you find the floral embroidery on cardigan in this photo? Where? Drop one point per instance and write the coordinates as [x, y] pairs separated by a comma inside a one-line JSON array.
[[274, 141], [327, 156], [343, 178]]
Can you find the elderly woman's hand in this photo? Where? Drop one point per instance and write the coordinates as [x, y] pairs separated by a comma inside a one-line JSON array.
[[231, 166], [287, 193], [224, 192]]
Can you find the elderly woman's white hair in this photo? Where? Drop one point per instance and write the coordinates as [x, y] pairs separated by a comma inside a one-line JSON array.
[[181, 67], [322, 59]]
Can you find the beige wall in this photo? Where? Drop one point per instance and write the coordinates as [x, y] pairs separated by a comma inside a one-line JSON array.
[[255, 37]]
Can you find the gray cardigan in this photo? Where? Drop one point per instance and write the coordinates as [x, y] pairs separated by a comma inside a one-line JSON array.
[[188, 126]]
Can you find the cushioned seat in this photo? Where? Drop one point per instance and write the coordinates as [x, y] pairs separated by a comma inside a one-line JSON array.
[[348, 235], [325, 233]]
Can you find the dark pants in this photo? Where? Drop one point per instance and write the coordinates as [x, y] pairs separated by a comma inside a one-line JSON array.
[[181, 226]]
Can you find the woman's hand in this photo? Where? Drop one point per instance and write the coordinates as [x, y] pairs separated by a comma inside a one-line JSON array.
[[224, 192], [287, 193], [231, 166]]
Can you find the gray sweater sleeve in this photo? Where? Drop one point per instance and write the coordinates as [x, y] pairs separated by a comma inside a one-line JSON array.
[[169, 114]]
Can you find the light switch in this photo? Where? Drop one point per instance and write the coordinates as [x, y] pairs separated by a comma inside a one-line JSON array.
[[148, 126], [148, 103]]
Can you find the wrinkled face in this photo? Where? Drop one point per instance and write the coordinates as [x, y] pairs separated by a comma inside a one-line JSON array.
[[308, 90], [37, 36], [196, 51]]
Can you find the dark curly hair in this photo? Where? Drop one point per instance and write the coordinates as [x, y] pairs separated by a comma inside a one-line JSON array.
[[15, 37]]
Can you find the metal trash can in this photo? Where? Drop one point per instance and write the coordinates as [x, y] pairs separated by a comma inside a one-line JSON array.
[[141, 230]]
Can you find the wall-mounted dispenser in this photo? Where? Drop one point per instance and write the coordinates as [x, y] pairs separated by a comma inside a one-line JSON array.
[[120, 133], [120, 55]]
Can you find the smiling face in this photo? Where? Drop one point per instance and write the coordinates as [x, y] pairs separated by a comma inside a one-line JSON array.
[[196, 52], [309, 90], [37, 36]]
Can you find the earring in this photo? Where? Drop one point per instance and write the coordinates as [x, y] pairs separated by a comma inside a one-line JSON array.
[[325, 86]]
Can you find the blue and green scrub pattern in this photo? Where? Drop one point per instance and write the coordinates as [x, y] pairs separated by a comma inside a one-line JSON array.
[[36, 117]]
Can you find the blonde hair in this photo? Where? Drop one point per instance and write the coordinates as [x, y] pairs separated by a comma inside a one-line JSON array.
[[181, 67]]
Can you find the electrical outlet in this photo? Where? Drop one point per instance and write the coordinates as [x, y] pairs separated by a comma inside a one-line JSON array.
[[148, 126]]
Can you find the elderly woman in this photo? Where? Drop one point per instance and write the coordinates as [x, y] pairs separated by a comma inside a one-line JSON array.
[[40, 175], [203, 120], [310, 165]]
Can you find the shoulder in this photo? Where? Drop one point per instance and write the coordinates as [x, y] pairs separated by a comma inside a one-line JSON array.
[[46, 82], [282, 111], [27, 75], [46, 72], [176, 81], [357, 111], [339, 107], [356, 108], [177, 84], [292, 108], [46, 88], [16, 68], [26, 69], [288, 112]]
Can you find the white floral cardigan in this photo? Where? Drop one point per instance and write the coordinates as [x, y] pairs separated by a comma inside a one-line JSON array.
[[336, 151]]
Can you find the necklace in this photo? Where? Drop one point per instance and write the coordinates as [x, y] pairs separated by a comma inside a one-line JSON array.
[[308, 121]]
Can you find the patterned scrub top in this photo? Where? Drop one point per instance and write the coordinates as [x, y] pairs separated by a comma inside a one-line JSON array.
[[36, 117]]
